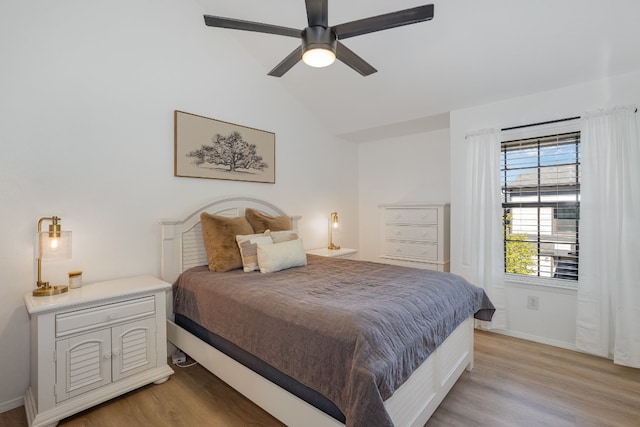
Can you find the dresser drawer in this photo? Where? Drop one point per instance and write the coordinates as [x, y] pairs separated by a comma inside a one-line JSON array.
[[420, 251], [412, 232], [411, 216], [85, 319]]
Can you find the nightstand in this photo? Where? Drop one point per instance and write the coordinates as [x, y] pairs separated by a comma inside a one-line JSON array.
[[334, 253], [94, 343]]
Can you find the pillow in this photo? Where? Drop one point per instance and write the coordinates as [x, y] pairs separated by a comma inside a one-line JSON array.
[[281, 256], [282, 236], [248, 245], [261, 222], [219, 234]]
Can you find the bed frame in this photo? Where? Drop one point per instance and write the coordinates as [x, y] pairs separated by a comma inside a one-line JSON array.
[[410, 406]]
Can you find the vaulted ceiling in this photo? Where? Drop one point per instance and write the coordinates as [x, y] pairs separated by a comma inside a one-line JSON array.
[[471, 53]]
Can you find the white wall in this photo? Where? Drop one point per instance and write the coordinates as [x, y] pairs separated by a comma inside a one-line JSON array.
[[554, 322], [413, 168], [88, 91]]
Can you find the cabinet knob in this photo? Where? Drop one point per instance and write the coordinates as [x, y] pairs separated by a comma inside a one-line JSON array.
[[107, 355], [116, 353], [112, 316]]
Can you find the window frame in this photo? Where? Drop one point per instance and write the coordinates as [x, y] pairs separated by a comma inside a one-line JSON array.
[[519, 137]]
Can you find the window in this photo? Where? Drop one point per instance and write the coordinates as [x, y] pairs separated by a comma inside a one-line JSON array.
[[540, 180]]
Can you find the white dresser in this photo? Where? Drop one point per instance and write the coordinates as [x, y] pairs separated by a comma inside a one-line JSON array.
[[94, 343], [416, 235]]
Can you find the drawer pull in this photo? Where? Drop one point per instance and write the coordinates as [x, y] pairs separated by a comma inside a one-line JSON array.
[[112, 316]]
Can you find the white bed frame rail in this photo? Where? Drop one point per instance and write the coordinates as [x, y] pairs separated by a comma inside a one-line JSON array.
[[410, 406]]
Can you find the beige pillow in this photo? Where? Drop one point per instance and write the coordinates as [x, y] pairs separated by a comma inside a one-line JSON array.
[[248, 245], [262, 222], [282, 236], [219, 234], [280, 256]]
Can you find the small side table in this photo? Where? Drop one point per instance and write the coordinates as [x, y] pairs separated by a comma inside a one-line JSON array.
[[94, 343], [334, 253]]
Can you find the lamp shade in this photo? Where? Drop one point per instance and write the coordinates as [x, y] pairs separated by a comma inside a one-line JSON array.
[[54, 246]]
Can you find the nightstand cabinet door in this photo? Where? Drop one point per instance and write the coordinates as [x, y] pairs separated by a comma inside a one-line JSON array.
[[133, 348], [83, 363]]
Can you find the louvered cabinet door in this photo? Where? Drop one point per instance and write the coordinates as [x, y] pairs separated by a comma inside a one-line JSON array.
[[133, 348], [83, 363]]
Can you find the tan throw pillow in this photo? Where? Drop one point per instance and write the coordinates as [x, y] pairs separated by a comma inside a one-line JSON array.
[[261, 222], [248, 245], [282, 236], [219, 234]]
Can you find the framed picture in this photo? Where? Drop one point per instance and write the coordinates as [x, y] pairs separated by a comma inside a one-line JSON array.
[[209, 148]]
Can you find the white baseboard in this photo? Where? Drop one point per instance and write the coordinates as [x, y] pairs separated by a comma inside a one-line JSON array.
[[11, 404], [534, 338]]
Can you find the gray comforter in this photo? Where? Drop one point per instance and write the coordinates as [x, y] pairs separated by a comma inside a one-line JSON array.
[[352, 330]]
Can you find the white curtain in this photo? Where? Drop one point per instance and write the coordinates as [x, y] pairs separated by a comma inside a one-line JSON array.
[[608, 315], [483, 257]]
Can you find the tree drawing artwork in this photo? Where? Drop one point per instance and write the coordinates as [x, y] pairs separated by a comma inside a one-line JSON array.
[[231, 151]]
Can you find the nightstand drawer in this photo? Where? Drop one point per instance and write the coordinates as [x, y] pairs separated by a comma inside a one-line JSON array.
[[412, 232], [411, 216], [81, 320], [419, 251]]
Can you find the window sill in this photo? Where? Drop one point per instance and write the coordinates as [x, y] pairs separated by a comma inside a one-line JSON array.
[[515, 279]]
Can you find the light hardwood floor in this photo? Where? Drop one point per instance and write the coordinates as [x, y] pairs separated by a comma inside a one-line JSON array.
[[514, 383]]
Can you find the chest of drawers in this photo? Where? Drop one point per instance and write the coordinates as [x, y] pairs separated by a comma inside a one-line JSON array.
[[416, 235]]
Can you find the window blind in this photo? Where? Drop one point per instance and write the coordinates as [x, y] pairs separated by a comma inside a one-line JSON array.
[[540, 180]]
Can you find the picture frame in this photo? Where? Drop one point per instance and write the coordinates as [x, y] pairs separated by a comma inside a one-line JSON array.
[[214, 149]]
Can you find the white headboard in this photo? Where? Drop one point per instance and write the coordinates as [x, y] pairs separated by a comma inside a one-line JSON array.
[[182, 243]]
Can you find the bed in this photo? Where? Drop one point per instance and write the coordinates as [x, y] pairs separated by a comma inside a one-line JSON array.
[[340, 391]]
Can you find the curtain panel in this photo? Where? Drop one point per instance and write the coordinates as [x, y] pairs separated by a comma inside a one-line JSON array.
[[608, 311], [483, 258]]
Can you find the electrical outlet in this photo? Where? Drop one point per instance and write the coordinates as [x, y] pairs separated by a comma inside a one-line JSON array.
[[532, 302]]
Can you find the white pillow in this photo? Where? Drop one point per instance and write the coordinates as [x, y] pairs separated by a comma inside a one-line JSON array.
[[248, 245], [280, 256]]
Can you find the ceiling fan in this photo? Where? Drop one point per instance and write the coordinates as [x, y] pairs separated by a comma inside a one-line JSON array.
[[320, 42]]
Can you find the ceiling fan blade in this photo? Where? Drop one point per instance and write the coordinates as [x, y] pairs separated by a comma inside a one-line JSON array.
[[384, 22], [317, 12], [287, 63], [347, 56], [238, 24]]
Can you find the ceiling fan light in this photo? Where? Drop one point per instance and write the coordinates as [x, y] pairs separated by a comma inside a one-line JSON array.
[[318, 57]]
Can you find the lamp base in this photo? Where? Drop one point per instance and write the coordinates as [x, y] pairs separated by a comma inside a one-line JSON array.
[[333, 247], [50, 290]]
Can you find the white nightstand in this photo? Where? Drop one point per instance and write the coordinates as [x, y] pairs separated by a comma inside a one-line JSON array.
[[334, 253], [94, 343]]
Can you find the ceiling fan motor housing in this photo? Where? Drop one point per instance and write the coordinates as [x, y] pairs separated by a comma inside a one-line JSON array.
[[318, 37]]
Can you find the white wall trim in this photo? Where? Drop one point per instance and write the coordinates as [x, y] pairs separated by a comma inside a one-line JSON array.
[[11, 404], [534, 338]]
